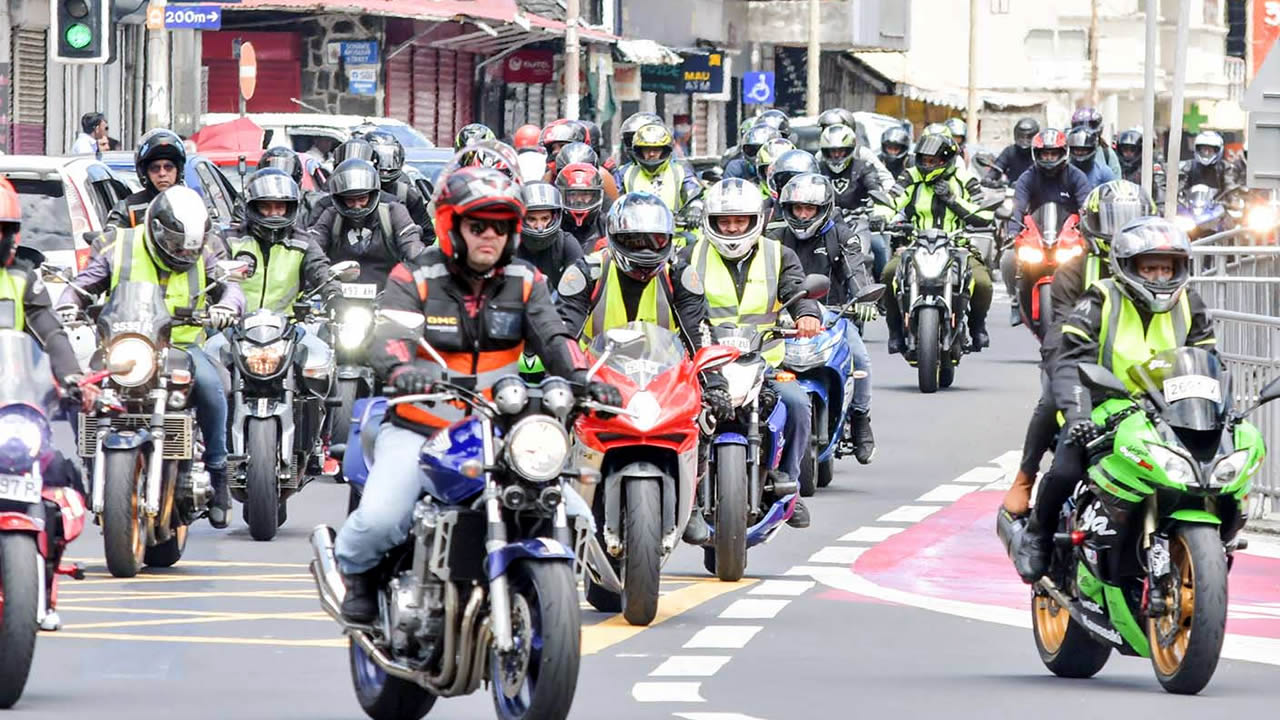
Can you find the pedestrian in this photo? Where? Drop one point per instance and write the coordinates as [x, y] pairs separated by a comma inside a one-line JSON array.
[[93, 135]]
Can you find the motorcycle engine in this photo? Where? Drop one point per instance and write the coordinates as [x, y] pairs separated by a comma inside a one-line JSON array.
[[417, 629]]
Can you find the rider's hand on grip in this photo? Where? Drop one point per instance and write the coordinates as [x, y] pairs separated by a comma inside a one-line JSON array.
[[414, 379], [719, 402], [605, 394], [1081, 431], [222, 316]]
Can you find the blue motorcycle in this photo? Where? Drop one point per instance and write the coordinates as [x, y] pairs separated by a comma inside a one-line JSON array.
[[824, 367], [1201, 212]]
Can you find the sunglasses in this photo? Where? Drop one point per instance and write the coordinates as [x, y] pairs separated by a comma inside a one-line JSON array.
[[161, 166], [477, 226]]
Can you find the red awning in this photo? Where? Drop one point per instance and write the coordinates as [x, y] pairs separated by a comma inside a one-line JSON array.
[[501, 10], [241, 134]]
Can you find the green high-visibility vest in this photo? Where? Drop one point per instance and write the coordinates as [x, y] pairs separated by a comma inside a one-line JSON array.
[[666, 183], [275, 283], [1122, 341], [132, 263], [13, 287], [610, 310], [759, 304]]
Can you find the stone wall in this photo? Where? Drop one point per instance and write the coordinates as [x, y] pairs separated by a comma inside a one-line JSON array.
[[324, 84]]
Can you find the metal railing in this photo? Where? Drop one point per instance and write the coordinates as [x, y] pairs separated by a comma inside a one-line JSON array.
[[1239, 281]]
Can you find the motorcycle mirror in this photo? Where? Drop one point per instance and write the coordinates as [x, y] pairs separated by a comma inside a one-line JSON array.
[[55, 273], [1271, 391], [815, 286], [712, 175], [406, 319], [714, 356], [346, 271], [1101, 381], [233, 271], [623, 336], [871, 293]]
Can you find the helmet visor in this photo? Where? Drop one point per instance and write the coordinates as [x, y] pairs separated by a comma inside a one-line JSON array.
[[272, 187], [637, 241], [1207, 153], [1116, 214], [355, 181]]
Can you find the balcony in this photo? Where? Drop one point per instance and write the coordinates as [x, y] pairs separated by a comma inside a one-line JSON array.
[[845, 24]]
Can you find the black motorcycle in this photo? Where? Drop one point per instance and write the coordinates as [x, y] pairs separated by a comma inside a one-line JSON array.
[[352, 331], [933, 283]]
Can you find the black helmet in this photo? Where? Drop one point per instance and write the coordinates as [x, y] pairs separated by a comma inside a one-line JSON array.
[[639, 228], [541, 196], [575, 153], [756, 138], [284, 159], [1129, 149], [595, 137], [357, 148], [777, 120], [788, 165], [471, 134], [896, 137], [390, 154], [1109, 207], [934, 154], [1024, 131], [177, 221], [1082, 145], [1148, 237], [353, 178], [837, 116], [159, 144], [808, 189], [270, 184]]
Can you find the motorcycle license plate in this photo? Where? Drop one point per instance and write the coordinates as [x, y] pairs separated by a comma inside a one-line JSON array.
[[20, 488], [359, 291], [741, 344], [1192, 386]]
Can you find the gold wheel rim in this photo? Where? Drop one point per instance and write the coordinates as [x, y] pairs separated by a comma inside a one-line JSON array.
[[1170, 634], [1051, 623], [135, 532]]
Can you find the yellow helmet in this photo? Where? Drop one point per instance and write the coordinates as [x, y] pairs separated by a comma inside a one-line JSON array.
[[652, 136]]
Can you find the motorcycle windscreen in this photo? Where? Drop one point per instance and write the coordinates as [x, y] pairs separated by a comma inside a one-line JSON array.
[[1192, 381], [1050, 217], [1200, 197], [135, 308], [25, 374], [643, 351]]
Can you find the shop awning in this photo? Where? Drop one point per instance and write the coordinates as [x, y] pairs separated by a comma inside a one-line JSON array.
[[640, 51]]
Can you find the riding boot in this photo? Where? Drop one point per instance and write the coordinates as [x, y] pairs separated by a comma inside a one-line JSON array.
[[361, 603], [1018, 499], [220, 507], [1031, 551], [864, 443], [799, 515], [978, 330]]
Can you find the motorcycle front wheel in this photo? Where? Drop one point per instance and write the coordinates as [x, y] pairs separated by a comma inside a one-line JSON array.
[[539, 677], [1186, 642], [348, 391], [928, 348], [20, 591], [123, 533], [262, 498], [383, 697], [642, 551], [731, 512]]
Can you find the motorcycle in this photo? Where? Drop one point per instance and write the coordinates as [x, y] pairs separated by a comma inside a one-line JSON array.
[[37, 522], [1186, 458], [933, 283], [148, 482], [824, 368], [648, 457], [483, 589], [279, 395], [1049, 238], [1202, 211], [353, 330]]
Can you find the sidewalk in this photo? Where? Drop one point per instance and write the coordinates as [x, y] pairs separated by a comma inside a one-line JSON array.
[[1265, 526]]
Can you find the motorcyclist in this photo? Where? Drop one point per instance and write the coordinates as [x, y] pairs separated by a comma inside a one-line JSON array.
[[765, 158], [1082, 147], [394, 183], [1129, 151], [1016, 158], [544, 244], [1093, 119], [1209, 166], [939, 196], [752, 140], [161, 160], [959, 130], [826, 246], [526, 138], [365, 224], [745, 276], [654, 170], [480, 307], [582, 189], [862, 153], [1108, 208], [577, 152], [1145, 307], [894, 143], [852, 180], [733, 154], [560, 133], [359, 148], [473, 133], [788, 165], [777, 120], [169, 249], [628, 131], [287, 160]]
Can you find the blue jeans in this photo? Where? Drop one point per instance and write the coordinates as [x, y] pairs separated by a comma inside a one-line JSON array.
[[879, 254], [861, 361], [799, 425], [393, 487], [211, 407]]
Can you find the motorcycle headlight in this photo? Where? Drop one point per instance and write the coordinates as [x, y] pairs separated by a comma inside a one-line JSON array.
[[21, 439], [1261, 218], [1228, 469], [931, 263], [537, 448], [646, 409], [1067, 252], [263, 359], [1177, 468], [804, 356], [1029, 255], [131, 360], [741, 379], [354, 327]]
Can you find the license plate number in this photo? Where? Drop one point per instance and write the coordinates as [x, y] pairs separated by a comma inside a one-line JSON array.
[[1192, 386], [360, 291], [20, 488]]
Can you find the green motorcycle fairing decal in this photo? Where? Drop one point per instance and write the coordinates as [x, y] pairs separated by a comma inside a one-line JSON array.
[[1190, 515], [530, 364], [1122, 619], [1088, 584], [1247, 437]]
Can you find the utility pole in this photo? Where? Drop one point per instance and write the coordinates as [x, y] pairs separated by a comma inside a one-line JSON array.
[[1093, 53], [813, 61], [572, 91], [972, 101], [1175, 112], [157, 88], [1149, 99]]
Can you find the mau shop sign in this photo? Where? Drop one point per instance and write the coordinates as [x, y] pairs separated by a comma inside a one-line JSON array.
[[698, 74], [529, 66]]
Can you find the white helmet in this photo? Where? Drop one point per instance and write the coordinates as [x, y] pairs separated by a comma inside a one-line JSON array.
[[733, 196]]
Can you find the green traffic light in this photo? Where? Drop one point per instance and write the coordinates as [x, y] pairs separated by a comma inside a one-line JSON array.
[[78, 36]]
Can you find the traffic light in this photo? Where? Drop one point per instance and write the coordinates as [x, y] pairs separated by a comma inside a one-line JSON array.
[[80, 31]]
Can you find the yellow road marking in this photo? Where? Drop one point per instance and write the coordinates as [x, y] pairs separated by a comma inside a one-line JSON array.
[[280, 642], [157, 579], [243, 617], [599, 636], [203, 563], [296, 614], [276, 594]]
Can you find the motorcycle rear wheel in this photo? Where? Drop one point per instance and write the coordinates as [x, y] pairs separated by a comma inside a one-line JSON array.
[[550, 676], [809, 467], [383, 697], [262, 484], [20, 586], [348, 391], [169, 552], [731, 512], [642, 551], [928, 348], [123, 534], [1186, 643], [1065, 648]]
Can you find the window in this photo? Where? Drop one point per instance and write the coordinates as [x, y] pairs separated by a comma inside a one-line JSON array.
[[214, 196], [46, 216], [1039, 44], [1071, 44]]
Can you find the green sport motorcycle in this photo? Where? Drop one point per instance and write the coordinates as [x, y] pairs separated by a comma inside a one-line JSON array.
[[1144, 545]]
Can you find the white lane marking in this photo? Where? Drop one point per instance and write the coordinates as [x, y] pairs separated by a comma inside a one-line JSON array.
[[723, 637], [690, 665], [716, 716], [909, 513], [946, 493], [870, 534], [980, 475], [1262, 546], [1008, 462], [749, 609], [838, 554], [790, 588], [666, 692]]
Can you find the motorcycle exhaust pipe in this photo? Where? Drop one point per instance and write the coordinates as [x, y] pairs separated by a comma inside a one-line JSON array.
[[324, 568]]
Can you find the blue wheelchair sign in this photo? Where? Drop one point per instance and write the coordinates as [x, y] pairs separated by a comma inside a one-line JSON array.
[[757, 88]]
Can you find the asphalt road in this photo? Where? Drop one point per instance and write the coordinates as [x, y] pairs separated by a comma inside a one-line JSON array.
[[897, 600]]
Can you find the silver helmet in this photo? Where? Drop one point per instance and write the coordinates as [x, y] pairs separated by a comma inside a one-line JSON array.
[[177, 221], [541, 196], [1145, 238], [639, 228], [808, 189], [733, 197], [836, 146]]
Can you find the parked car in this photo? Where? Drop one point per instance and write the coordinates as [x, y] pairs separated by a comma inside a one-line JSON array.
[[64, 201], [299, 130]]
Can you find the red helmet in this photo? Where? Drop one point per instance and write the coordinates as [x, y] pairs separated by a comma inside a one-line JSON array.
[[527, 137], [583, 191], [10, 221], [560, 133], [481, 193], [1049, 150]]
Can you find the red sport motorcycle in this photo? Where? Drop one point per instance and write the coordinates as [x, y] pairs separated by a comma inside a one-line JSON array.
[[648, 459], [1050, 236], [36, 521]]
